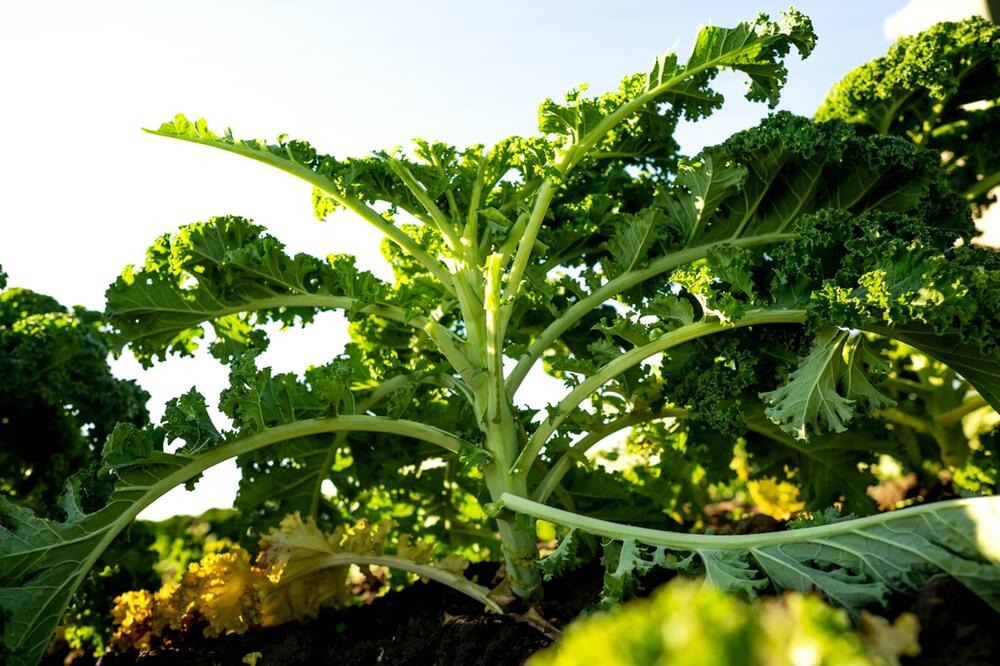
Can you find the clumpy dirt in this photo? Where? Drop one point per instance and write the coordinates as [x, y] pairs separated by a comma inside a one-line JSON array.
[[956, 626], [758, 523]]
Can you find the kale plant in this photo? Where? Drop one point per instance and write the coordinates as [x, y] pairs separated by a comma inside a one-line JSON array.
[[753, 295]]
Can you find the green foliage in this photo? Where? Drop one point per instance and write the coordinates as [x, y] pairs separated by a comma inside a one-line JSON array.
[[128, 563], [821, 391], [981, 474], [685, 623], [58, 400], [764, 295], [938, 89], [574, 550], [755, 48]]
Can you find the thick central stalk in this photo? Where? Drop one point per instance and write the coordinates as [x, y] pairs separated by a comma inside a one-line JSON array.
[[517, 535], [496, 418]]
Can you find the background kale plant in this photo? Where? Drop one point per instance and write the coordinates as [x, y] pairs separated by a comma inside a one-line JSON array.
[[58, 404], [938, 89]]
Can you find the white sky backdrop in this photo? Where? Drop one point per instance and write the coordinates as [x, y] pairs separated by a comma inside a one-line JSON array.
[[83, 192]]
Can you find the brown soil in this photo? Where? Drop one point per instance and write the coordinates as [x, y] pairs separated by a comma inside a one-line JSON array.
[[956, 626], [430, 625]]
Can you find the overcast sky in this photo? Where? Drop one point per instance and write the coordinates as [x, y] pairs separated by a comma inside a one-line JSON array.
[[84, 191]]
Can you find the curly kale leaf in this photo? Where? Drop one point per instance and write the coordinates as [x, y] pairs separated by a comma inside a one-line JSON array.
[[821, 392], [893, 275], [574, 550], [626, 562], [795, 166], [938, 89], [755, 48], [632, 241], [226, 272]]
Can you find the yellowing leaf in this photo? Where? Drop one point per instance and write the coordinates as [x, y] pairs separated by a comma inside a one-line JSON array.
[[296, 558], [251, 658], [132, 613], [224, 590], [778, 499]]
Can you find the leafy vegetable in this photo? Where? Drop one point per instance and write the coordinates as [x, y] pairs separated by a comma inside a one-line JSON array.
[[44, 561], [718, 302], [938, 89]]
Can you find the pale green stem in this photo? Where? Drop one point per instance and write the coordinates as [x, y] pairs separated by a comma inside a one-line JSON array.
[[440, 219], [513, 238], [526, 243], [471, 305], [634, 357], [455, 581], [494, 340], [470, 236], [497, 421], [458, 360], [609, 289], [680, 541], [953, 416]]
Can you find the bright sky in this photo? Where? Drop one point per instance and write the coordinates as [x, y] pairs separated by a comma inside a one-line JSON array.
[[85, 192]]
